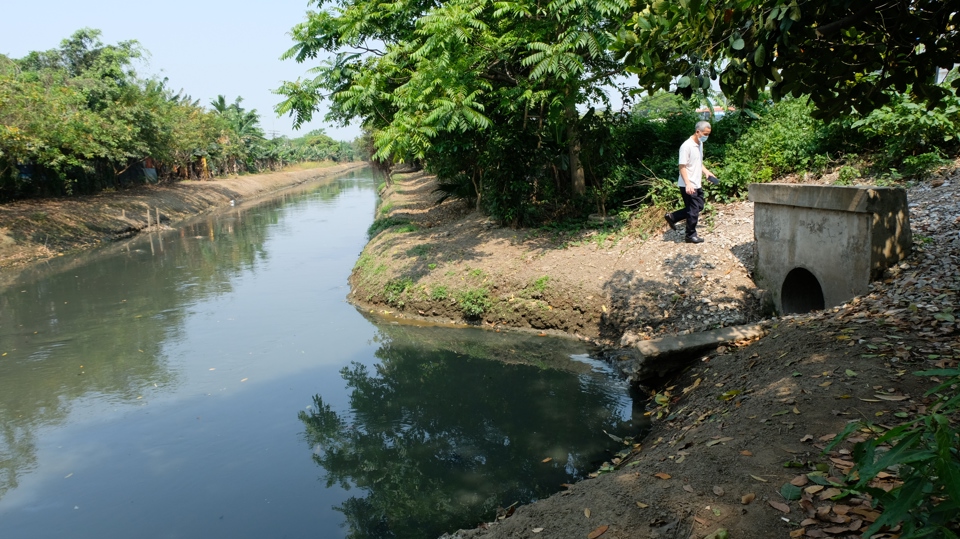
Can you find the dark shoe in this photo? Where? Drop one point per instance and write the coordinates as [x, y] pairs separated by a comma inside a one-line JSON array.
[[693, 239], [672, 224]]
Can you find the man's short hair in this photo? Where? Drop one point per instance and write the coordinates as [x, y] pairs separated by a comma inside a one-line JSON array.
[[701, 125]]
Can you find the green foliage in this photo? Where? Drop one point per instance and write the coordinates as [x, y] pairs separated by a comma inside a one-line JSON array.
[[847, 175], [439, 293], [540, 284], [420, 250], [484, 93], [920, 165], [905, 127], [785, 139], [394, 289], [474, 302], [78, 119], [924, 454], [383, 223], [842, 54]]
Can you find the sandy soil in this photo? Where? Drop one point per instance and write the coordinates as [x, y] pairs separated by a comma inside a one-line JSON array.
[[741, 422]]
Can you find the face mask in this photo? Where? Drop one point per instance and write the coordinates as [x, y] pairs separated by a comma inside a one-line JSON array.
[[703, 138]]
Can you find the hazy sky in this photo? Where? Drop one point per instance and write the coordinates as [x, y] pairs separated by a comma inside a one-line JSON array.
[[205, 47]]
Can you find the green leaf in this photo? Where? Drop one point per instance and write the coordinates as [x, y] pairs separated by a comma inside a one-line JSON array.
[[760, 56], [738, 44], [790, 492]]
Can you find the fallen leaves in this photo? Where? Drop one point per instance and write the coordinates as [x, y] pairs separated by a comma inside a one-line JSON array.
[[782, 507], [661, 475], [748, 498], [722, 440], [598, 532]]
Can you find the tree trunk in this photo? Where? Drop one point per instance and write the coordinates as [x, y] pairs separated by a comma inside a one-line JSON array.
[[578, 182]]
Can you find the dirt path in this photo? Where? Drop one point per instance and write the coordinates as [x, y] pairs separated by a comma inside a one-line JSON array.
[[36, 230], [729, 432]]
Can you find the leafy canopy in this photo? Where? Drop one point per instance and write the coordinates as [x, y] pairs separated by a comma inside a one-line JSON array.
[[843, 54]]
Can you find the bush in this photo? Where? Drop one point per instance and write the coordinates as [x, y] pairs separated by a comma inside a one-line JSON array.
[[394, 289], [474, 302], [784, 140], [903, 128], [383, 223]]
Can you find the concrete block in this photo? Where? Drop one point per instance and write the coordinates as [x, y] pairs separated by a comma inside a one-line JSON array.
[[819, 246]]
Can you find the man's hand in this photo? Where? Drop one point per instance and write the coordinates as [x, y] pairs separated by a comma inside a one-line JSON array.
[[691, 189]]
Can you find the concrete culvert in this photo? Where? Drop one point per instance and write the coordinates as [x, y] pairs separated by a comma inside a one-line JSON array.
[[801, 292]]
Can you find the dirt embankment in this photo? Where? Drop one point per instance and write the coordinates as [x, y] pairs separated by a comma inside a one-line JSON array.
[[36, 230], [739, 427], [448, 263]]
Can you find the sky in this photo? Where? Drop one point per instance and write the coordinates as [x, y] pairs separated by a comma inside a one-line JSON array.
[[205, 47]]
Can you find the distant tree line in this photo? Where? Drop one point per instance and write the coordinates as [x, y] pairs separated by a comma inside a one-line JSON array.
[[79, 119]]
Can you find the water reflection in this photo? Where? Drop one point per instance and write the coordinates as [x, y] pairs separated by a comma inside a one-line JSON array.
[[98, 326], [452, 424]]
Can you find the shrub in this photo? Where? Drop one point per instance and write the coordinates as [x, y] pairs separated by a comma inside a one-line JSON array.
[[919, 166], [904, 127], [379, 225], [784, 140], [474, 302], [394, 289], [439, 293]]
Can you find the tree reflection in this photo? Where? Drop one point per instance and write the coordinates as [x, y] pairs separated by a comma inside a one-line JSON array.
[[438, 440]]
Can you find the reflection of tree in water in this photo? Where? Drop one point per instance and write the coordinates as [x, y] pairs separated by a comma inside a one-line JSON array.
[[112, 315], [439, 440]]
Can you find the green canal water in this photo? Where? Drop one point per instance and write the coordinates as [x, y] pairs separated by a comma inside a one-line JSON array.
[[212, 382]]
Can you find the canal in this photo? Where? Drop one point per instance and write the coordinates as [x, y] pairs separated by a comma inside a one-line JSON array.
[[212, 381]]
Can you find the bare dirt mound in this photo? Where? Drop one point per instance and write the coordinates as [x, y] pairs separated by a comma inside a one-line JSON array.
[[447, 262]]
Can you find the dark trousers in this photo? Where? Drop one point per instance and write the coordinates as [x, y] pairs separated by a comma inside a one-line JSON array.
[[692, 206]]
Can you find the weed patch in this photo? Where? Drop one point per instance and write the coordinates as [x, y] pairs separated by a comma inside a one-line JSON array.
[[383, 223], [394, 289], [474, 302]]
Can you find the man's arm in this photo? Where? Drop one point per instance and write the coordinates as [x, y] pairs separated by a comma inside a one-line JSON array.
[[688, 187]]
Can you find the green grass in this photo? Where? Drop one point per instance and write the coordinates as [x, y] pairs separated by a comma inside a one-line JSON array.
[[383, 223], [420, 250], [385, 209], [540, 284]]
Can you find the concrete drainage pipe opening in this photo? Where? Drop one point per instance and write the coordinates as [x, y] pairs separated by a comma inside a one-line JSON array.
[[801, 292]]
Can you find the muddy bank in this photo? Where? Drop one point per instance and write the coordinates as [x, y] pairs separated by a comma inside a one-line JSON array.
[[740, 424], [35, 230], [447, 262]]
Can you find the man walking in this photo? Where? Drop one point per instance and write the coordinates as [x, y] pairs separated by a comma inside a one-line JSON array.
[[692, 172]]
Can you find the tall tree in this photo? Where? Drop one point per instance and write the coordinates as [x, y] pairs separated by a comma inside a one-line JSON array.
[[842, 53], [455, 67]]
